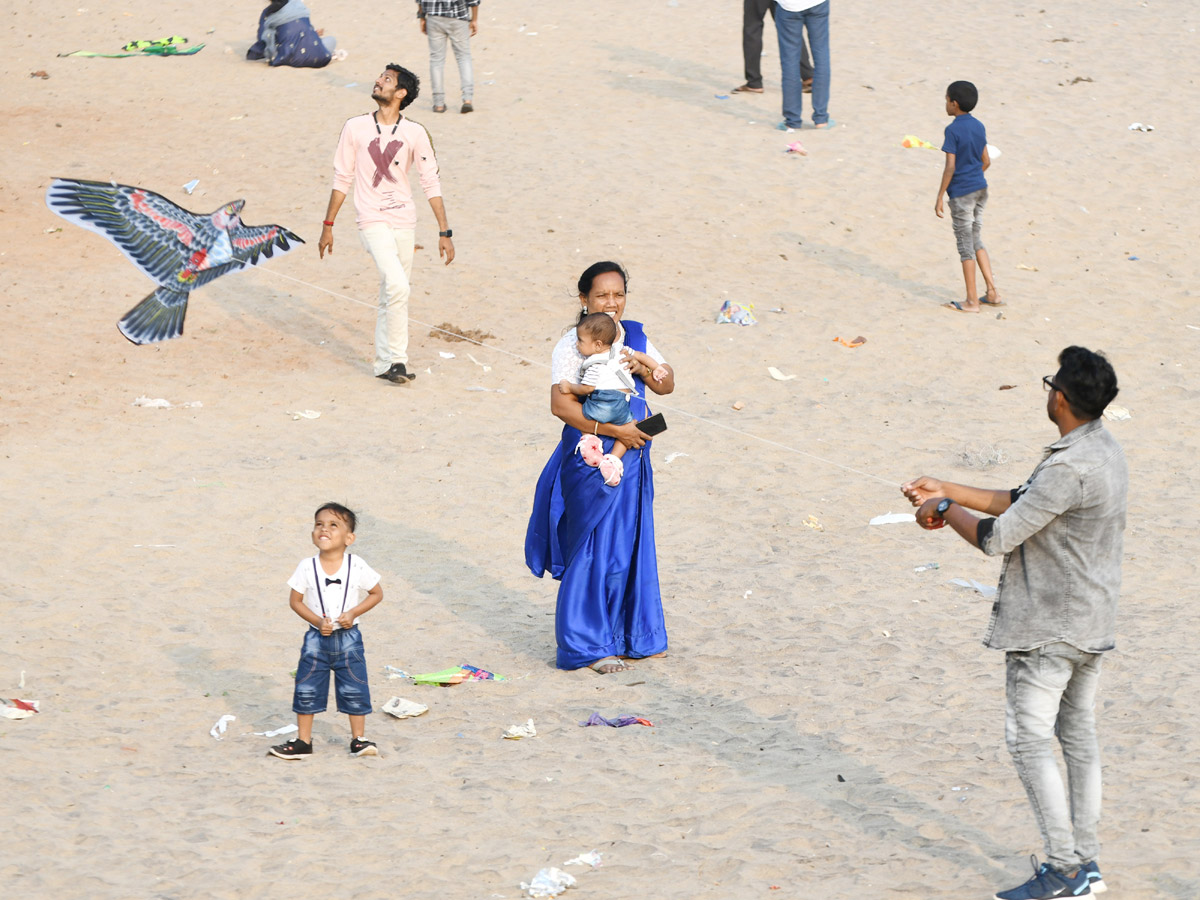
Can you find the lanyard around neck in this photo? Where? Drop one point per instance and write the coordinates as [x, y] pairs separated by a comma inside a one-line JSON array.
[[375, 116], [346, 587]]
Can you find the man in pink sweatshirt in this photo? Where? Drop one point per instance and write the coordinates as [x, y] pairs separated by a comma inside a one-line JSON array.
[[374, 155]]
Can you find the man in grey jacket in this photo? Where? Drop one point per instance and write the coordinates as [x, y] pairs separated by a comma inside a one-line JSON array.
[[1055, 609]]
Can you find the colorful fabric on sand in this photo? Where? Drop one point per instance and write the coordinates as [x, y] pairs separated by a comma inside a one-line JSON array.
[[618, 722], [179, 250], [732, 313], [168, 46], [598, 541]]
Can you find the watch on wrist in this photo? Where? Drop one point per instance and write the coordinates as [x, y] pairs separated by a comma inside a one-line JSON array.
[[449, 232], [943, 505]]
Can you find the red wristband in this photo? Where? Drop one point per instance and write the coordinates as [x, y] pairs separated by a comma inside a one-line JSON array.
[[327, 222]]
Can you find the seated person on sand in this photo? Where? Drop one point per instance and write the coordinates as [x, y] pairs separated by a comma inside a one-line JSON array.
[[286, 37], [606, 388]]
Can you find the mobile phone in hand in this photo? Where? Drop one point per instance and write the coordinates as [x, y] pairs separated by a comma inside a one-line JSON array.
[[653, 425]]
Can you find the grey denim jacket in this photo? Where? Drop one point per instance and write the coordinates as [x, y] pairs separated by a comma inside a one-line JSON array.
[[1062, 542]]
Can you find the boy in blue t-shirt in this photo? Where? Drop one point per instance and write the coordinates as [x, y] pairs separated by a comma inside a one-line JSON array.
[[967, 159]]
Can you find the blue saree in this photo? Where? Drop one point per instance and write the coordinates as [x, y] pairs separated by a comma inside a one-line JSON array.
[[598, 541]]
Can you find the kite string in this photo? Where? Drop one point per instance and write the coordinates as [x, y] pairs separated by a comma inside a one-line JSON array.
[[544, 365]]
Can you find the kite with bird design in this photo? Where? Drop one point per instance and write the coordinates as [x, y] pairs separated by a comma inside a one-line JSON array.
[[177, 249]]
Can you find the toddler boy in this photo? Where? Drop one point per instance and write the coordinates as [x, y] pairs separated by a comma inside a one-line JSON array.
[[330, 591], [965, 146], [605, 390]]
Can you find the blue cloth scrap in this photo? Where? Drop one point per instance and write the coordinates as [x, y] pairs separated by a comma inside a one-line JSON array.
[[618, 722]]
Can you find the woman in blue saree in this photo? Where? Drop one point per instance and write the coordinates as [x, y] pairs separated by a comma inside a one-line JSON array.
[[598, 541]]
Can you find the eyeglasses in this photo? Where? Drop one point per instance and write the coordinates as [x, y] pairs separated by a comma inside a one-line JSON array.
[[1049, 385]]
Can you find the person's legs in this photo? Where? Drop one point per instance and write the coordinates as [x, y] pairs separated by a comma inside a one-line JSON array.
[[981, 254], [962, 216], [1081, 751], [753, 12], [392, 251], [789, 28], [459, 32], [806, 66], [1036, 682], [816, 20], [435, 30]]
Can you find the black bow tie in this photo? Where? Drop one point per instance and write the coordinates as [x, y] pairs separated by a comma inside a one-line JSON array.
[[329, 581]]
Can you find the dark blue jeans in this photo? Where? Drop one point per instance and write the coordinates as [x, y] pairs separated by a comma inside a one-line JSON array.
[[342, 654], [790, 28]]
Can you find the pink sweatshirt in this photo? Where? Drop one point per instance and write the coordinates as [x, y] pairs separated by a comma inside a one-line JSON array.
[[376, 161]]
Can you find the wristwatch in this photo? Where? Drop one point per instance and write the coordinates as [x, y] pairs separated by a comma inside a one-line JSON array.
[[943, 505], [449, 232]]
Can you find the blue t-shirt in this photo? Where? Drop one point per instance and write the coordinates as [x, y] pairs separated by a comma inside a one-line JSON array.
[[966, 139]]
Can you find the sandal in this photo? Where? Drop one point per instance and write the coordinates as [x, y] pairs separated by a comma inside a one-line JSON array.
[[441, 108], [609, 665]]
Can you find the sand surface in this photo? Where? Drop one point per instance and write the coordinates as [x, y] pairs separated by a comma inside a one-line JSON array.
[[828, 723]]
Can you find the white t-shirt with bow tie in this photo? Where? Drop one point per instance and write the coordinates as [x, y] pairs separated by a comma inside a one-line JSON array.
[[332, 595]]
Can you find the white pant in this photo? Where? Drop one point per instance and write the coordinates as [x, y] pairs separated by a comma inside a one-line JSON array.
[[392, 250]]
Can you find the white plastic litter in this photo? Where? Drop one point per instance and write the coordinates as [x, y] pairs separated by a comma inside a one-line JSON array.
[[191, 185], [988, 592], [1116, 413], [486, 390], [9, 711], [671, 457], [160, 403], [478, 363], [404, 709], [777, 375], [304, 414], [1138, 126], [548, 883], [586, 859], [444, 355], [286, 729], [219, 729], [893, 518], [393, 672], [993, 152], [516, 732]]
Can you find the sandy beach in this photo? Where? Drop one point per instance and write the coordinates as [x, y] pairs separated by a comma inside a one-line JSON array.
[[828, 723]]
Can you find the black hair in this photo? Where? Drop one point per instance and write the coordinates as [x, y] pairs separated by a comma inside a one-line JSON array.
[[592, 272], [599, 326], [342, 512], [407, 80], [1087, 380], [965, 94]]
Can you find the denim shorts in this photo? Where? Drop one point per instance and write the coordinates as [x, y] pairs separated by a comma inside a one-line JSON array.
[[608, 406], [341, 653]]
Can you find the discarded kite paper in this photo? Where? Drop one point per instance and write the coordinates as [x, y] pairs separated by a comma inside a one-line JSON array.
[[548, 883], [404, 709], [893, 518], [516, 732], [219, 728]]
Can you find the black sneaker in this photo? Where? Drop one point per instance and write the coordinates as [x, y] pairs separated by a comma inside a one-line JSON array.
[[1048, 883], [293, 749], [359, 747], [398, 374]]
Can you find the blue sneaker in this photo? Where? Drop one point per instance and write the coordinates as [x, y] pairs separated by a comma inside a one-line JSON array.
[[1048, 883], [784, 126], [1095, 879]]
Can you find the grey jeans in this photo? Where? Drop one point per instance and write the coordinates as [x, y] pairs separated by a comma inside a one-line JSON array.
[[966, 212], [1052, 692], [438, 29]]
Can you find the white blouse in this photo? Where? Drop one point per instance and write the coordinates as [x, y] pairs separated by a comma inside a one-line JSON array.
[[566, 360]]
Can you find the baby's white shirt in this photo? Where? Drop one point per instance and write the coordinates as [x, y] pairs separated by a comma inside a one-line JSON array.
[[350, 587]]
